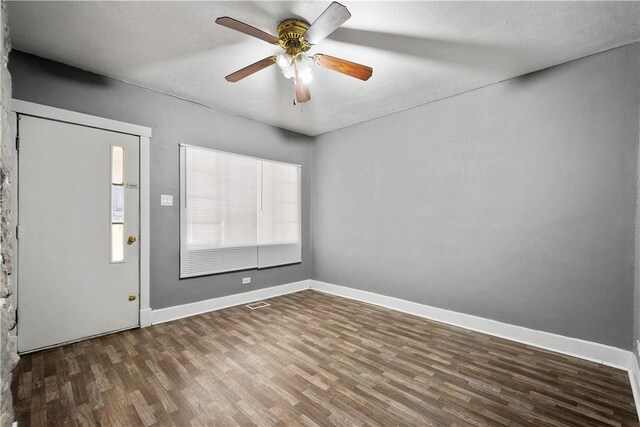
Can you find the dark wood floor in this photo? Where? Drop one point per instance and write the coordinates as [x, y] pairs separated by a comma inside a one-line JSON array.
[[314, 359]]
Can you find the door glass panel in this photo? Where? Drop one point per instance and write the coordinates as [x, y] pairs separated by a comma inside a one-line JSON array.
[[117, 165], [117, 204], [117, 242]]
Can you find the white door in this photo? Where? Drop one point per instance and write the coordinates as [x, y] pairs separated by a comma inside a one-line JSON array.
[[78, 217]]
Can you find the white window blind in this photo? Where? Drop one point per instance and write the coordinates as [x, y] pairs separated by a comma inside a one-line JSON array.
[[279, 214], [236, 212], [218, 212]]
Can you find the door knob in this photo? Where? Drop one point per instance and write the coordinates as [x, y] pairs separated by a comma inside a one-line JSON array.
[[131, 240], [132, 297]]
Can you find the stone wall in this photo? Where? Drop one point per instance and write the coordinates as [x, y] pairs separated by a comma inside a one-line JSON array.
[[8, 356]]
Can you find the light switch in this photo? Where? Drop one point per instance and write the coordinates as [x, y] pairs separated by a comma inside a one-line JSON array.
[[166, 200]]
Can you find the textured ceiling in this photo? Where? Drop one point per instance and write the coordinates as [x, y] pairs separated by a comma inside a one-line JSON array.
[[420, 51]]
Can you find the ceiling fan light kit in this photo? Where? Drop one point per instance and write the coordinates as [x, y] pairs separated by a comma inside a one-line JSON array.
[[290, 64], [296, 37]]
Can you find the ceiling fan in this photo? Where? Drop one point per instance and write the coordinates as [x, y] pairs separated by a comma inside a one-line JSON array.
[[296, 37]]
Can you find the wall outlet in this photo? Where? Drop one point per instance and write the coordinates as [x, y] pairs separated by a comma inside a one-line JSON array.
[[166, 200], [246, 280]]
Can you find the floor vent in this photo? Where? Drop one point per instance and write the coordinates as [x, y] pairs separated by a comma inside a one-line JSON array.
[[258, 304]]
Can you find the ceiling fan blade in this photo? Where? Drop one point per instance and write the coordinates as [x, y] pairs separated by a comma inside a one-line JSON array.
[[332, 17], [302, 91], [343, 66], [250, 69], [234, 24]]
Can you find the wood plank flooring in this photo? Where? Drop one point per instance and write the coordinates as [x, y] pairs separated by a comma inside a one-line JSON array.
[[314, 359]]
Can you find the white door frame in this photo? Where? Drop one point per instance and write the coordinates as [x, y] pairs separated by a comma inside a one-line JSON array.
[[52, 113]]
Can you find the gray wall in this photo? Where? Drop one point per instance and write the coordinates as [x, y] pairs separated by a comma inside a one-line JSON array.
[[173, 121], [514, 202], [636, 305]]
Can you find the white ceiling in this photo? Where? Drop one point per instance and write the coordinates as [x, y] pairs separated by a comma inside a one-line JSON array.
[[420, 51]]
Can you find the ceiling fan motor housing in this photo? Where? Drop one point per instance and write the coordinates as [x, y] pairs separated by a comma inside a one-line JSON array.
[[291, 36]]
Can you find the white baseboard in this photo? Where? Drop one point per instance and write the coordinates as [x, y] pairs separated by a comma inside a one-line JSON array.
[[588, 350], [179, 311]]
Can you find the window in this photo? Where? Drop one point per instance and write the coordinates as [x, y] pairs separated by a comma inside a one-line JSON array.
[[236, 212], [278, 214], [117, 204]]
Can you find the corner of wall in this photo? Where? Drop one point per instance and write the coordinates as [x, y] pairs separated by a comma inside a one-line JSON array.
[[636, 270], [634, 370], [312, 198]]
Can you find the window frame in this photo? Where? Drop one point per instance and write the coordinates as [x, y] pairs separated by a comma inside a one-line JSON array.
[[183, 199]]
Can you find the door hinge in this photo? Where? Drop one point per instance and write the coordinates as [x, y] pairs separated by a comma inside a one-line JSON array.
[[18, 231], [18, 142]]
